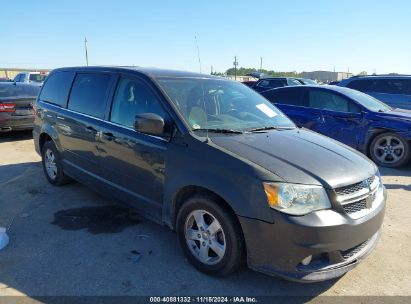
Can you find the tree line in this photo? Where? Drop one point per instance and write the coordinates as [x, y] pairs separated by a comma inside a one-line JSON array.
[[244, 71]]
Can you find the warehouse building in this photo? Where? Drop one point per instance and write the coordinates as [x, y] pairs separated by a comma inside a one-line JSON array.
[[326, 76]]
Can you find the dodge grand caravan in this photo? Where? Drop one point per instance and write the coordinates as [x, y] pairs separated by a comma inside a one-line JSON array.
[[216, 162]]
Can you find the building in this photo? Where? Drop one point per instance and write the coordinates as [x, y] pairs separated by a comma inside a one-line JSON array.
[[240, 78], [12, 72], [326, 76]]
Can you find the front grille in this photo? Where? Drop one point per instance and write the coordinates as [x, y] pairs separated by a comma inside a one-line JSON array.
[[371, 180], [353, 251], [355, 206], [347, 190]]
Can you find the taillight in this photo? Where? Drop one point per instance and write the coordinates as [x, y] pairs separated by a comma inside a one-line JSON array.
[[7, 107]]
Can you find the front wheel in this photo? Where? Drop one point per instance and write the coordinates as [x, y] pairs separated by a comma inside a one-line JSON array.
[[210, 236], [390, 150]]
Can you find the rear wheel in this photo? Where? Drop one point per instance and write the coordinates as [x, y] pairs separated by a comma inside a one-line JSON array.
[[210, 236], [390, 150], [52, 165]]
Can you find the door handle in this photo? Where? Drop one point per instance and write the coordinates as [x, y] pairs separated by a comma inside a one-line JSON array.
[[108, 135], [90, 129]]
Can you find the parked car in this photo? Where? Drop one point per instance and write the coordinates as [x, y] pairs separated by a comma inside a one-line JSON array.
[[265, 84], [354, 118], [31, 77], [217, 162], [334, 82], [16, 106], [307, 81], [249, 83], [392, 90]]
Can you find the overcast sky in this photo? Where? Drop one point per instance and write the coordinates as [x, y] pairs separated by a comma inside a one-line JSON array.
[[366, 35]]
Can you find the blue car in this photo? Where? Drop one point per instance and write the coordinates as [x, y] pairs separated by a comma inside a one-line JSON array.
[[351, 117], [392, 90]]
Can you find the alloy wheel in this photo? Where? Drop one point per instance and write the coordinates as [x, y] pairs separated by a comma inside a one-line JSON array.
[[50, 164], [205, 237], [389, 149]]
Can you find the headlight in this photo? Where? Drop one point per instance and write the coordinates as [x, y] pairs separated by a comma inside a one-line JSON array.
[[296, 199]]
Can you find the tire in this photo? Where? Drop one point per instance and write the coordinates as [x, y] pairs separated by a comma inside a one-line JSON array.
[[390, 150], [52, 165], [225, 236]]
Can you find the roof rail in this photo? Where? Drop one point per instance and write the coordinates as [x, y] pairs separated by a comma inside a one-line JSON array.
[[384, 75]]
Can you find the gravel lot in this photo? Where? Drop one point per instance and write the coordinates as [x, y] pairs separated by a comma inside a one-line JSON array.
[[63, 241]]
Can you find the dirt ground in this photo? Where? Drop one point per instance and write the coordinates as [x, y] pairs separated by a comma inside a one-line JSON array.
[[71, 241]]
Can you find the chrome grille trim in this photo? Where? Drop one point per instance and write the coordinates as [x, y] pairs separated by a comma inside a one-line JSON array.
[[355, 206], [355, 199]]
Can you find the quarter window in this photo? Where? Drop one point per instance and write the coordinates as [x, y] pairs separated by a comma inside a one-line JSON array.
[[133, 97], [293, 97], [89, 92], [57, 87]]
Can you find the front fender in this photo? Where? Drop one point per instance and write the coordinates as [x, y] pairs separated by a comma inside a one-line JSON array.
[[210, 168]]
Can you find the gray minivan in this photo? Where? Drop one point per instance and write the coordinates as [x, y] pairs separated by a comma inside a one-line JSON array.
[[216, 162]]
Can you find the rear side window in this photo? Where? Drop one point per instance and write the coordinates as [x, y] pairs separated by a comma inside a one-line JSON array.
[[89, 92], [293, 97], [393, 86], [293, 82], [365, 85], [324, 100], [270, 83], [57, 87]]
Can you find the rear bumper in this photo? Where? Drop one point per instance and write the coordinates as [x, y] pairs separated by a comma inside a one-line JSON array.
[[9, 122], [336, 243]]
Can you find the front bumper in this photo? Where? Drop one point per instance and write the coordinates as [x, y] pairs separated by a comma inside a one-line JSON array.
[[336, 242]]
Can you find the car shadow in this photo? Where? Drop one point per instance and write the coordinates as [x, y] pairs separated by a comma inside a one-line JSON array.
[[15, 136], [404, 171], [57, 236]]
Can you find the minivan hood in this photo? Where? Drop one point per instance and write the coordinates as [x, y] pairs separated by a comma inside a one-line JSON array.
[[300, 156]]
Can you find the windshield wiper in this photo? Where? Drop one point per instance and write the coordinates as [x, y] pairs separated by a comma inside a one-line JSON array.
[[227, 131], [269, 128]]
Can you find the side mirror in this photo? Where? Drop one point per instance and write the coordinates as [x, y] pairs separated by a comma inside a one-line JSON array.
[[149, 123]]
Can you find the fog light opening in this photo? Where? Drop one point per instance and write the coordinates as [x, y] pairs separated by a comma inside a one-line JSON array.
[[307, 260]]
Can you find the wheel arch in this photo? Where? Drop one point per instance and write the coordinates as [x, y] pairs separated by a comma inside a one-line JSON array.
[[188, 191], [372, 135]]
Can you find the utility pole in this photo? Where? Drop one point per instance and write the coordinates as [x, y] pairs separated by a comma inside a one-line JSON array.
[[85, 47], [211, 70], [261, 64], [235, 67]]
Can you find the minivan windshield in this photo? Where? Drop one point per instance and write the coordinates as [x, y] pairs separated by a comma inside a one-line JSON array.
[[222, 105], [367, 101]]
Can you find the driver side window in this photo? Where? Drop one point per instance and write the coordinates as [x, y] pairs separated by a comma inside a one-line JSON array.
[[134, 97]]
